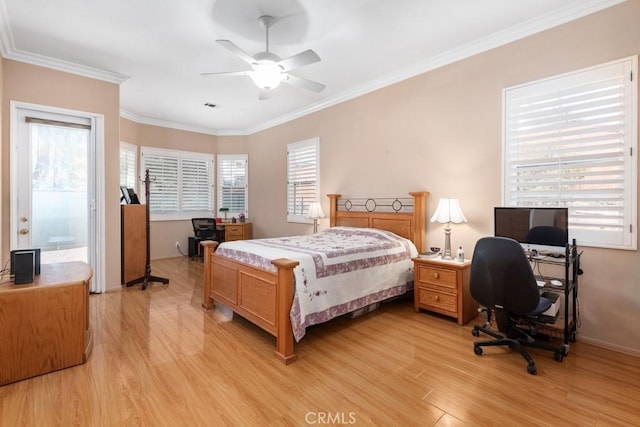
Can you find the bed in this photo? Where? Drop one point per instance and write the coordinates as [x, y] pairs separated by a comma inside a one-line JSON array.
[[264, 292]]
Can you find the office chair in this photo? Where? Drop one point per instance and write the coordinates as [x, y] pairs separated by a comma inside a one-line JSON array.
[[502, 281], [203, 229], [546, 235]]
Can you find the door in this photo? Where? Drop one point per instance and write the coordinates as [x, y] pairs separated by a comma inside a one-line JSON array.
[[53, 185]]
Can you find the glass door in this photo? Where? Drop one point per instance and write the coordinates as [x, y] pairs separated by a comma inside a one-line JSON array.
[[53, 186]]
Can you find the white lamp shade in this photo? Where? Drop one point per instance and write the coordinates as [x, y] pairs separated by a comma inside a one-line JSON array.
[[448, 211], [315, 211]]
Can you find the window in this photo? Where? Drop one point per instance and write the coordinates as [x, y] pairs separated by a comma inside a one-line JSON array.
[[232, 182], [181, 183], [303, 178], [571, 141], [128, 169]]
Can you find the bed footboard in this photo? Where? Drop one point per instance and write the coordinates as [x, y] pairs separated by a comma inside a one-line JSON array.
[[260, 296]]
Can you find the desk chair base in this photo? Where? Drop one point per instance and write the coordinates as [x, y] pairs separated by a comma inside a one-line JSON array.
[[517, 340]]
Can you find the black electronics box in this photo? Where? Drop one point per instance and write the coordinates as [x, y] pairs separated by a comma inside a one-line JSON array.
[[25, 263]]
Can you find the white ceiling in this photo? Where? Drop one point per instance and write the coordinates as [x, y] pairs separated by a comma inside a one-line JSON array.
[[159, 48]]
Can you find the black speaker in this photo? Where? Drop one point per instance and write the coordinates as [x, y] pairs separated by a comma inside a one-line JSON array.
[[25, 263]]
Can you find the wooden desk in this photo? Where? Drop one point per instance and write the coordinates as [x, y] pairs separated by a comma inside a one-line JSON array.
[[44, 325]]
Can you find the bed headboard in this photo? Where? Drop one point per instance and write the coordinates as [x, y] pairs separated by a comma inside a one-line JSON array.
[[404, 216]]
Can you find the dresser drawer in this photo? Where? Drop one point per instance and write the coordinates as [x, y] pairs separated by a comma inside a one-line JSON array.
[[437, 276], [437, 301]]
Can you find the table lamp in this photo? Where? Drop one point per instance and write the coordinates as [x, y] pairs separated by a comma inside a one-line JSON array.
[[447, 212], [315, 212]]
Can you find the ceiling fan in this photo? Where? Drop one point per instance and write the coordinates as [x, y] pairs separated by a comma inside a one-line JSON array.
[[269, 70]]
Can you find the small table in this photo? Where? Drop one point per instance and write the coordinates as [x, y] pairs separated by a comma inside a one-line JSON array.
[[44, 325], [442, 286]]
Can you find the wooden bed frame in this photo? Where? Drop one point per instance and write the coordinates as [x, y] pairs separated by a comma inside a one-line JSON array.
[[265, 298]]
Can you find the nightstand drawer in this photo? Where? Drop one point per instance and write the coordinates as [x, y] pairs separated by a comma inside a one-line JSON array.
[[438, 276], [437, 301]]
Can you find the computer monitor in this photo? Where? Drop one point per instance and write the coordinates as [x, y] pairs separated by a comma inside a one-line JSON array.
[[545, 230]]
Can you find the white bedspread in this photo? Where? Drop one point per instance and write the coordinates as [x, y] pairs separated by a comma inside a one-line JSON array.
[[341, 269]]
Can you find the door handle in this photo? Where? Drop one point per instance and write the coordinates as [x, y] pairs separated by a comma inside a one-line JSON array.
[[24, 231], [24, 219]]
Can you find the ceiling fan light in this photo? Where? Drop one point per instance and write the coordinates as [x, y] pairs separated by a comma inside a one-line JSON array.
[[267, 75]]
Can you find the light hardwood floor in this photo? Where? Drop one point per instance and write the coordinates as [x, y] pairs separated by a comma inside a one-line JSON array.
[[160, 360]]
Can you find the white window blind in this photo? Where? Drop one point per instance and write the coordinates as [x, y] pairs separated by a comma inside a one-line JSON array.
[[181, 183], [196, 184], [233, 189], [303, 178], [571, 141], [128, 163]]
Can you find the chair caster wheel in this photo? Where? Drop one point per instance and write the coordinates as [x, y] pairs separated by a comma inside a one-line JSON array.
[[572, 336], [475, 332], [477, 350], [561, 353], [531, 368]]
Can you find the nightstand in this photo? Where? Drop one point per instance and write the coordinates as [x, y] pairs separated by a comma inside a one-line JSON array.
[[442, 286]]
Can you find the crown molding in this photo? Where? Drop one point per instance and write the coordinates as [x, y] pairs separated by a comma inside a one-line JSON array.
[[171, 125], [9, 51], [575, 10]]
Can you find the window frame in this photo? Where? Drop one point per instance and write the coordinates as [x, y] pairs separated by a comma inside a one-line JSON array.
[[220, 182], [181, 212], [587, 233], [300, 147]]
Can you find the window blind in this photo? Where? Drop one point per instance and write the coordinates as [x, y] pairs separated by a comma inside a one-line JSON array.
[[128, 173], [569, 141], [303, 163], [196, 184], [181, 183], [232, 181]]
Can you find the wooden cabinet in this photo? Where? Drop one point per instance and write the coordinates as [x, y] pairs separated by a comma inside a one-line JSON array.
[[237, 231], [133, 253], [443, 287], [44, 325]]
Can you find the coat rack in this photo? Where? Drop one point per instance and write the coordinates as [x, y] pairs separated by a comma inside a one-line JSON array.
[[147, 273]]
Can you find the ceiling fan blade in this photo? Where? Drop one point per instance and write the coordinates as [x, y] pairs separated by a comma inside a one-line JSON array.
[[231, 47], [304, 83], [299, 60], [228, 73], [264, 94]]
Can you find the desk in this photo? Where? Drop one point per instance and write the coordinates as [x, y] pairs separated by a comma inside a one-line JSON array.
[[226, 232], [44, 325]]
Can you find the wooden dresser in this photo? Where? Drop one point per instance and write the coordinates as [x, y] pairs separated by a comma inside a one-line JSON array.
[[443, 287], [133, 239], [44, 325], [237, 231]]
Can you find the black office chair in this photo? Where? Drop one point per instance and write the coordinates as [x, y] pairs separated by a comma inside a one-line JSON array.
[[502, 281], [203, 229], [546, 235]]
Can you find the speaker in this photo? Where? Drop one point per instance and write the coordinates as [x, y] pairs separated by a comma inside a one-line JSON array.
[[25, 263], [23, 266]]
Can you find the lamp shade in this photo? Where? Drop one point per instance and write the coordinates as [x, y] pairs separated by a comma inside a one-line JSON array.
[[448, 210], [315, 211]]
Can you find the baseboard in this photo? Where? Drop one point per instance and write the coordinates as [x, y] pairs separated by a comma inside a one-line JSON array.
[[609, 346]]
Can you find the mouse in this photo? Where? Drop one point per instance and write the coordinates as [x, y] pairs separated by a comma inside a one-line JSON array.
[[556, 283]]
